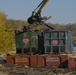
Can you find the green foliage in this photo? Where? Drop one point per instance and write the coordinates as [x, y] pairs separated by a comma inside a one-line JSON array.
[[17, 24], [6, 38]]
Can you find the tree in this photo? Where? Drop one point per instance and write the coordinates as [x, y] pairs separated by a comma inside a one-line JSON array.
[[6, 38], [17, 24]]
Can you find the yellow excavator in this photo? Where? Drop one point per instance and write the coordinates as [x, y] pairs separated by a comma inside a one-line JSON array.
[[36, 14], [36, 18]]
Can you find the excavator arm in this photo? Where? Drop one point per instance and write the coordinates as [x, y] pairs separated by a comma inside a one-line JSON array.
[[36, 14], [36, 19], [41, 5]]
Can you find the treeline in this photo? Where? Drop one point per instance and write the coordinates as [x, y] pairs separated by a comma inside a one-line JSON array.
[[19, 24]]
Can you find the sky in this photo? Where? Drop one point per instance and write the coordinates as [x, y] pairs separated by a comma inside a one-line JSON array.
[[62, 11]]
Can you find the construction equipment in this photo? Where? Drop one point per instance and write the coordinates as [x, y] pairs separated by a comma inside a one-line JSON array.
[[36, 21], [36, 18], [36, 15]]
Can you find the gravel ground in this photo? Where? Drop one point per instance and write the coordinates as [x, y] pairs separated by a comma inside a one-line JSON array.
[[26, 70]]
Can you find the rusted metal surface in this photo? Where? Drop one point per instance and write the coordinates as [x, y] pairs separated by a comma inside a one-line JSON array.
[[71, 63], [10, 60], [52, 60], [64, 57], [24, 59], [75, 62], [33, 60], [64, 60], [41, 60]]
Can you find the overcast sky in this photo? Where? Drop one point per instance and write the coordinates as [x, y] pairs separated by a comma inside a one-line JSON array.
[[62, 11]]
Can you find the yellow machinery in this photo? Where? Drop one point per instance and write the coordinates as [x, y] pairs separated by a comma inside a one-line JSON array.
[[36, 14], [36, 20], [43, 3]]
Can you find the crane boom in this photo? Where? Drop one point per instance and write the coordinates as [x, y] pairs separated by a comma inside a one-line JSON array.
[[36, 18], [36, 14], [43, 3]]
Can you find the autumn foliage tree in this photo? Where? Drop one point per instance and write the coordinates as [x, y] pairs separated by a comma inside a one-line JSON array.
[[6, 38]]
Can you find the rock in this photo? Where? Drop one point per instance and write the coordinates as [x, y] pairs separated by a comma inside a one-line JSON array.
[[1, 65], [70, 73], [4, 74], [50, 73], [60, 74], [0, 73], [26, 66]]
